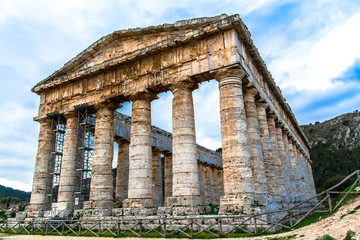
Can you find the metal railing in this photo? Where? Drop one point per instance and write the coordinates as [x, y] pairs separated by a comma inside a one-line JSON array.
[[189, 226]]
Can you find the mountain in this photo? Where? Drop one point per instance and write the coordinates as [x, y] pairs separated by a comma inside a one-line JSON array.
[[335, 148], [6, 192]]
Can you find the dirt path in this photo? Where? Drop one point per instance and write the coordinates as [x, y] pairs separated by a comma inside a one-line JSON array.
[[344, 220]]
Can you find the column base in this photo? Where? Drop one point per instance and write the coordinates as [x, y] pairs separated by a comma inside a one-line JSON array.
[[98, 205], [237, 204], [184, 201], [34, 210], [138, 203]]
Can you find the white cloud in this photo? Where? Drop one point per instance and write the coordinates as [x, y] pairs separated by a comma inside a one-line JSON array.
[[312, 63]]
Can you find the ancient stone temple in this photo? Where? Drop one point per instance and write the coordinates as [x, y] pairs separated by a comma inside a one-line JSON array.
[[265, 162]]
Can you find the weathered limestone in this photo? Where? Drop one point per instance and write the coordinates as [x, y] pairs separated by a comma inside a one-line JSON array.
[[67, 175], [168, 176], [101, 191], [261, 163], [256, 151], [289, 164], [186, 188], [122, 174], [208, 186], [238, 178], [38, 197], [267, 151], [140, 168], [157, 179], [283, 157], [215, 186], [201, 181], [279, 180]]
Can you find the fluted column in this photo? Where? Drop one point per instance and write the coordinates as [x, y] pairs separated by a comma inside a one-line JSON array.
[[283, 158], [256, 151], [312, 189], [157, 179], [215, 186], [289, 164], [267, 150], [279, 180], [122, 172], [168, 176], [293, 166], [140, 192], [101, 190], [208, 186], [186, 188], [38, 198], [238, 178], [67, 175]]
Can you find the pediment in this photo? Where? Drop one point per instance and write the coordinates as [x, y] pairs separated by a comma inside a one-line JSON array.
[[125, 45]]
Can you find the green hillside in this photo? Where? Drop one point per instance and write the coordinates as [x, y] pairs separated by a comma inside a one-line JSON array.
[[6, 192], [335, 148]]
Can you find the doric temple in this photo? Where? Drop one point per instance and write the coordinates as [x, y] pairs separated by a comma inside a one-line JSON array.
[[265, 162]]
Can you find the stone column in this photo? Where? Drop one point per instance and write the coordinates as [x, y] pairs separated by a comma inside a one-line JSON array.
[[186, 188], [215, 186], [267, 151], [288, 163], [293, 167], [101, 189], [140, 169], [312, 188], [38, 195], [283, 158], [279, 180], [168, 176], [256, 151], [67, 175], [220, 178], [122, 172], [208, 186], [238, 178], [157, 179], [201, 180]]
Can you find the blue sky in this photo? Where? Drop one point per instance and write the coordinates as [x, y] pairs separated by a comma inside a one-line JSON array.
[[311, 48]]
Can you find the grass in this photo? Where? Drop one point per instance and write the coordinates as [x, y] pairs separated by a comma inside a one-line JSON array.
[[326, 237]]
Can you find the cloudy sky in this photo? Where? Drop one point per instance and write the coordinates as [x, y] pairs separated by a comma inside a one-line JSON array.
[[312, 49]]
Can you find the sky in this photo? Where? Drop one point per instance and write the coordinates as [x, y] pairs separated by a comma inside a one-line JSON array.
[[311, 47]]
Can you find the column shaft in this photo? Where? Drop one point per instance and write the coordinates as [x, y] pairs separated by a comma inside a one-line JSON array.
[[67, 175], [238, 178], [256, 151], [38, 198], [208, 185], [283, 158], [157, 179], [101, 190], [267, 151], [122, 172], [186, 188], [140, 168], [215, 186], [168, 176], [279, 180], [201, 180]]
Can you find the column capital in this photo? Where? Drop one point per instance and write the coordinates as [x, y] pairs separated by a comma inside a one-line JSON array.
[[262, 105], [271, 115], [70, 114], [107, 104], [145, 95], [186, 84], [250, 92], [230, 72], [45, 120]]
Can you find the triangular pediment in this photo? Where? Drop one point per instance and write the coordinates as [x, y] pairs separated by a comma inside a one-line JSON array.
[[131, 43]]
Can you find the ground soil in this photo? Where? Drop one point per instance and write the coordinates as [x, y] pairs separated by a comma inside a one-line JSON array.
[[344, 220]]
